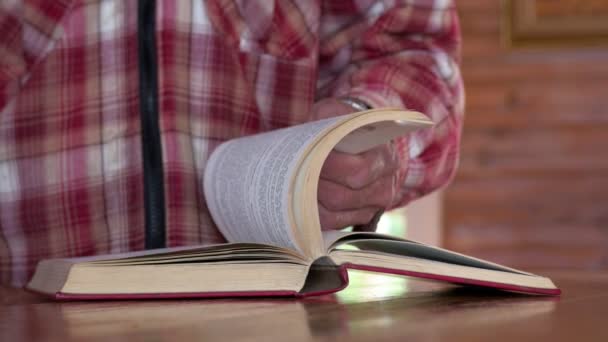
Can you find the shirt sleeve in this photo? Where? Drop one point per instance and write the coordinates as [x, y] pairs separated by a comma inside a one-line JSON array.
[[29, 28], [402, 54]]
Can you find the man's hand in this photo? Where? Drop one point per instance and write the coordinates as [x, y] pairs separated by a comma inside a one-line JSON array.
[[353, 188]]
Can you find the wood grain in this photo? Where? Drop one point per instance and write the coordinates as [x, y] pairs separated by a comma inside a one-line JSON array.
[[375, 308]]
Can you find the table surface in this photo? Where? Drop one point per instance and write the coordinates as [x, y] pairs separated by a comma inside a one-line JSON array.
[[374, 307]]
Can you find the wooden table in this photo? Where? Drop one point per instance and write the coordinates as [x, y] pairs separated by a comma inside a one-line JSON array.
[[372, 308]]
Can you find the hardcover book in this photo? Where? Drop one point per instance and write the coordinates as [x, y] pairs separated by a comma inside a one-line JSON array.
[[261, 191]]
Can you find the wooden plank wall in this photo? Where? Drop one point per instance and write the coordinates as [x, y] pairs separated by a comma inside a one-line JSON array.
[[532, 188]]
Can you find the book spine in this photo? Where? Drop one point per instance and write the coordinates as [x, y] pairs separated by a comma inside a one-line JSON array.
[[343, 272]]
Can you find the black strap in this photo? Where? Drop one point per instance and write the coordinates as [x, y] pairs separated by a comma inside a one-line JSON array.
[[154, 195]]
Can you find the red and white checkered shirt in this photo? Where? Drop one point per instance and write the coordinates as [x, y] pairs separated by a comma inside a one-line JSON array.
[[70, 132]]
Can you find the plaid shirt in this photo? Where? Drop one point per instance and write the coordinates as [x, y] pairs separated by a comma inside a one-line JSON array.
[[70, 131]]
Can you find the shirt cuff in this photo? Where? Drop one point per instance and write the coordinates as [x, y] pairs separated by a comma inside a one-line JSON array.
[[376, 95]]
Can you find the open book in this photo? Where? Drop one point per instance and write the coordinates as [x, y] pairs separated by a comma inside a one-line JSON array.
[[261, 191]]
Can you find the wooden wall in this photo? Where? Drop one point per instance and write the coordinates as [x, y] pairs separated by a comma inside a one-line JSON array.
[[532, 189]]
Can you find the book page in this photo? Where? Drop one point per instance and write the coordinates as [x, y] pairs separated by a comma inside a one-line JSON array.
[[335, 238], [443, 271], [248, 182], [374, 134], [378, 243], [263, 188]]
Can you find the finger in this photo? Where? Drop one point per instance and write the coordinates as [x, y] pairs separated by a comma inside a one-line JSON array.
[[330, 107], [372, 225], [359, 170], [331, 220], [337, 197]]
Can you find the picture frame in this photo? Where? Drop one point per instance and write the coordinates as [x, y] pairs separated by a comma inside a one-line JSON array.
[[555, 23]]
